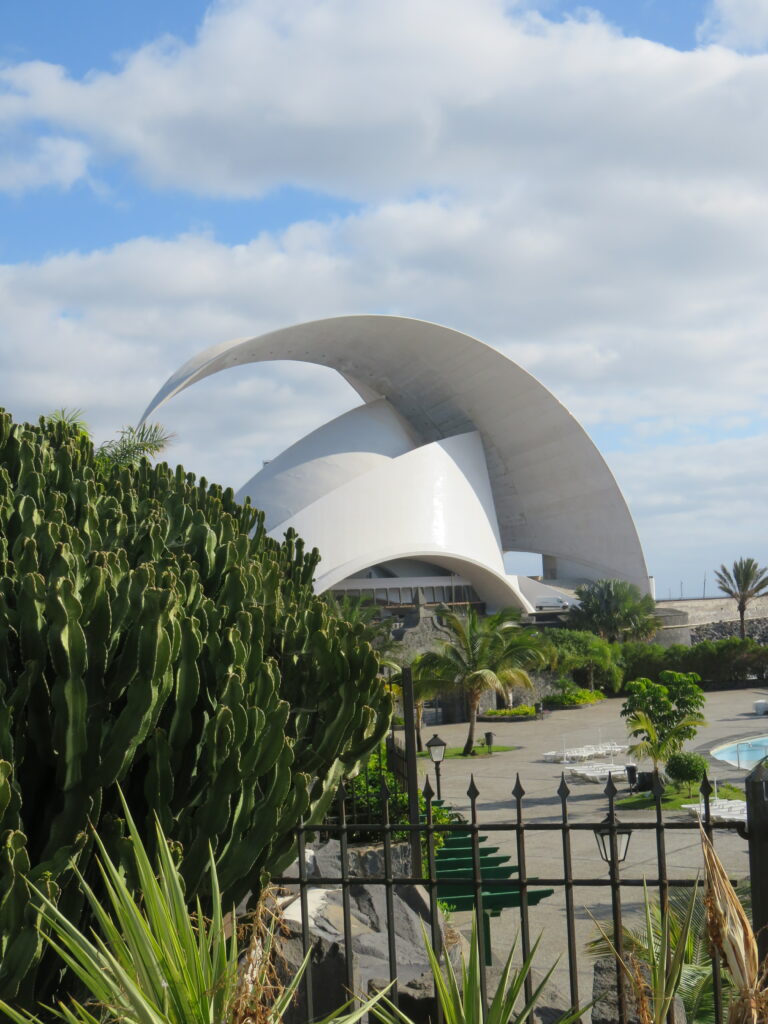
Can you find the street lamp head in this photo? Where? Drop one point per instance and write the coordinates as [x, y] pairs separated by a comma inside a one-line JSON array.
[[436, 748], [603, 838]]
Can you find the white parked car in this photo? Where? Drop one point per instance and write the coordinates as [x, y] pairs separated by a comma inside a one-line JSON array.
[[552, 604]]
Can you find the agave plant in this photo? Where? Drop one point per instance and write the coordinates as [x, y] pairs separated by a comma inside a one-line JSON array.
[[461, 1001], [150, 962]]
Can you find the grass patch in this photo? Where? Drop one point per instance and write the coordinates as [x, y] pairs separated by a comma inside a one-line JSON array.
[[480, 751], [676, 795]]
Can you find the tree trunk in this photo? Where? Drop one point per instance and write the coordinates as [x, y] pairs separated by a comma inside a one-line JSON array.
[[469, 746], [419, 708], [742, 626]]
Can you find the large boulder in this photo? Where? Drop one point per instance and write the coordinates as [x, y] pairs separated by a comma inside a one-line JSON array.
[[369, 933]]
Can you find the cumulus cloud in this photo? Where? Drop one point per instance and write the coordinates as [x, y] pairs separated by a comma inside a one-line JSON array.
[[636, 339], [371, 100], [740, 24], [51, 160], [594, 206]]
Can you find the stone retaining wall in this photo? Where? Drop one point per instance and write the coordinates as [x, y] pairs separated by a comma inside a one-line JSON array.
[[757, 629]]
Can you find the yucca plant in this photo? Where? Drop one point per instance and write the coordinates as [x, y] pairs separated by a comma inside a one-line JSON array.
[[150, 962], [462, 1002], [732, 935]]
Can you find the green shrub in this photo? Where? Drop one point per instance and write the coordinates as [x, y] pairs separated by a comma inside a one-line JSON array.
[[365, 804], [685, 766], [521, 711], [572, 697]]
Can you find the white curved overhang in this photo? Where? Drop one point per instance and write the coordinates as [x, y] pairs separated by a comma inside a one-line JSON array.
[[553, 492], [432, 503]]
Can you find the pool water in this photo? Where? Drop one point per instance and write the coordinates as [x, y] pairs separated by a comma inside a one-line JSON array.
[[743, 753]]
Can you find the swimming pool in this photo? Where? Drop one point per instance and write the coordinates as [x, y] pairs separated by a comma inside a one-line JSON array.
[[743, 753]]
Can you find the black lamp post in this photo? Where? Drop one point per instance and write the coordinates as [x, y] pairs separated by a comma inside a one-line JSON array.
[[611, 825], [436, 748]]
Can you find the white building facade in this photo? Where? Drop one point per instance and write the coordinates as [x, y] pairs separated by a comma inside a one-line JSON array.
[[456, 456]]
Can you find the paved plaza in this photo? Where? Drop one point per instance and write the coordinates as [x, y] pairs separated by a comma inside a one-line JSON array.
[[730, 716]]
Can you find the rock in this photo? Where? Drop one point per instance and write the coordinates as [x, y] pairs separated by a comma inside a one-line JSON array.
[[368, 919], [327, 972], [323, 860], [606, 999]]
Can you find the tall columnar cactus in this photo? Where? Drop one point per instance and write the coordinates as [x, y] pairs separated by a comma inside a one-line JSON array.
[[152, 635]]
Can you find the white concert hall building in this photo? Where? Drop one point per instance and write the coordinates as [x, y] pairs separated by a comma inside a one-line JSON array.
[[455, 457]]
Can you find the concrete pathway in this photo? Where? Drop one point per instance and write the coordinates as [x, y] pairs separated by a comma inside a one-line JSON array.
[[729, 714]]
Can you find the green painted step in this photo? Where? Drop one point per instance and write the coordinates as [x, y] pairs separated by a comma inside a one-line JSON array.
[[497, 871], [452, 841], [492, 901], [461, 862]]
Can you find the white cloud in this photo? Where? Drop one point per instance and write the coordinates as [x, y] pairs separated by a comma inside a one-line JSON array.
[[370, 100], [594, 206], [741, 24], [51, 160], [632, 332]]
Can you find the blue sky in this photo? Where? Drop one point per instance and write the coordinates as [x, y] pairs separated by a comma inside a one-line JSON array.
[[582, 186]]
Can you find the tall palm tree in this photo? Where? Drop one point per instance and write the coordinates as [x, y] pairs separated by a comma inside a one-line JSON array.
[[743, 582], [615, 610], [656, 745], [484, 654]]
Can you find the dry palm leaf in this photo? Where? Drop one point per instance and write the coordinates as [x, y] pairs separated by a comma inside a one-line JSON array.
[[732, 936]]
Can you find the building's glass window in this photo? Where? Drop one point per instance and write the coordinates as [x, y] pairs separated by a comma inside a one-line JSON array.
[[406, 595], [429, 595]]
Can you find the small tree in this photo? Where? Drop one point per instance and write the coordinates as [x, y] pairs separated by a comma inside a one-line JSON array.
[[675, 700], [589, 659], [745, 581], [483, 654], [685, 766]]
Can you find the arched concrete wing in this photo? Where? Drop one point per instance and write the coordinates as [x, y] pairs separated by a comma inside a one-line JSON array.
[[553, 492]]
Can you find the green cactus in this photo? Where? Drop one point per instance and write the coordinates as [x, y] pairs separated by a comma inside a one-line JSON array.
[[153, 635]]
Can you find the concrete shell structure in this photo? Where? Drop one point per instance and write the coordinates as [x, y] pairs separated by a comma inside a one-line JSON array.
[[456, 456]]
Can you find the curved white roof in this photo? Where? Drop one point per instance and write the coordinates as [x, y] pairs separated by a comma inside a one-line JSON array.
[[552, 491]]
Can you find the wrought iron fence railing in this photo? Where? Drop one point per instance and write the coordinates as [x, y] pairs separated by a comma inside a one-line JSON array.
[[470, 872]]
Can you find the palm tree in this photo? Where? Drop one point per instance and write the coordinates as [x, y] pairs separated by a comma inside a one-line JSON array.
[[615, 610], [131, 445], [483, 654], [656, 745], [743, 582]]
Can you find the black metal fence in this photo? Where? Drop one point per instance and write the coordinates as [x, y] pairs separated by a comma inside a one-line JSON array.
[[518, 830]]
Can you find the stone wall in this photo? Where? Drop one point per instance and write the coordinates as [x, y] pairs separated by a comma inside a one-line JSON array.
[[716, 609], [757, 629]]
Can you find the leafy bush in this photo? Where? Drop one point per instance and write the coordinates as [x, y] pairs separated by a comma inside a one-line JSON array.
[[719, 663], [572, 697], [685, 766], [589, 660], [365, 803], [521, 711]]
